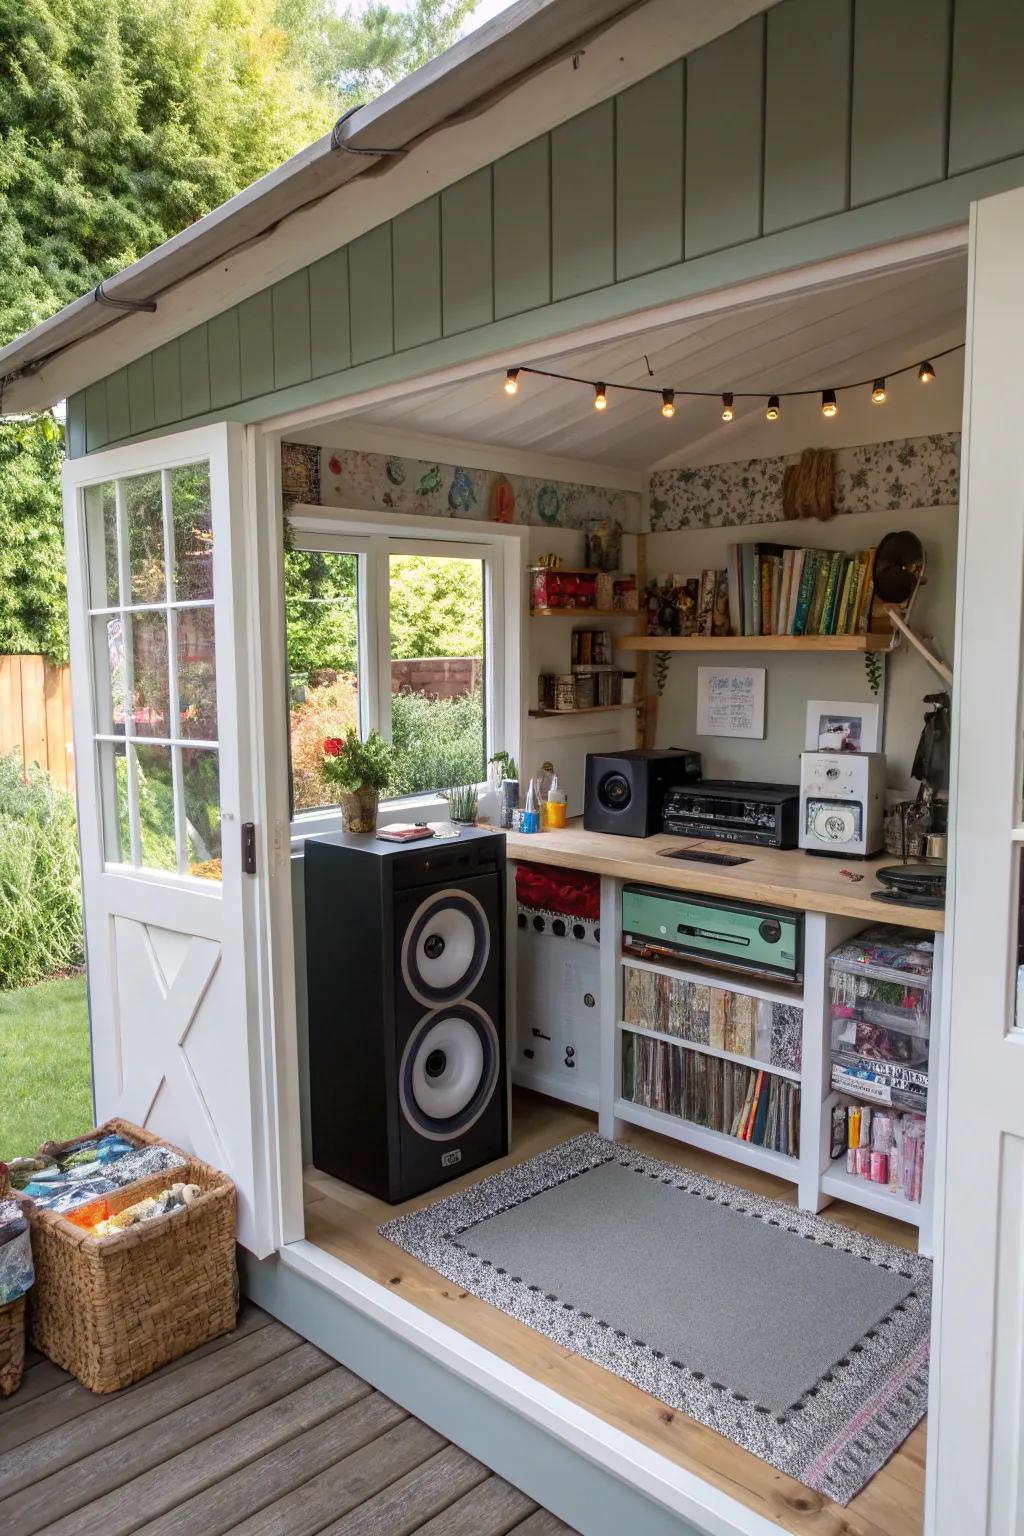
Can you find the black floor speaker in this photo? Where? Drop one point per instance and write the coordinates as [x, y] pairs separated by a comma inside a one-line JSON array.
[[405, 969]]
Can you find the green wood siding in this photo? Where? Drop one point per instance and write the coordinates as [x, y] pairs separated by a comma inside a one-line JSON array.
[[649, 173], [816, 128]]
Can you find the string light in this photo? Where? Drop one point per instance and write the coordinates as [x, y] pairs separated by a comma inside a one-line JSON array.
[[828, 397]]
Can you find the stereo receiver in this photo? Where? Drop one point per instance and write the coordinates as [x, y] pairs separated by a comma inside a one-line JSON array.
[[735, 812], [740, 935]]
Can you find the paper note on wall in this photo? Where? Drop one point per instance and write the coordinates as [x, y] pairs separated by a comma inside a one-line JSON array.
[[730, 701]]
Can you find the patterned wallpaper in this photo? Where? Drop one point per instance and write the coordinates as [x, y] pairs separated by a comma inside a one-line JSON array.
[[340, 477], [879, 477]]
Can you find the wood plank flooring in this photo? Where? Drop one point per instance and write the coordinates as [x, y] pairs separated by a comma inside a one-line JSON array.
[[257, 1432], [344, 1222]]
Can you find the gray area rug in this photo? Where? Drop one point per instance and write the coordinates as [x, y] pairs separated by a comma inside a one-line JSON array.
[[796, 1338]]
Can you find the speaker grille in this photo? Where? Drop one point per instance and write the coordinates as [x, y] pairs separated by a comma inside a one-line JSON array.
[[449, 1071], [445, 948]]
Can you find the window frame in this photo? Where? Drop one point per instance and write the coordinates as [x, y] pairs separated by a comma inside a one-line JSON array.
[[373, 538]]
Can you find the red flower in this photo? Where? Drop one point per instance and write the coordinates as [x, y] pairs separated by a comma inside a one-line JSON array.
[[334, 464], [333, 746]]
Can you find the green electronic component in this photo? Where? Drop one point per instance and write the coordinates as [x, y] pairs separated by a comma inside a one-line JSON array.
[[766, 940]]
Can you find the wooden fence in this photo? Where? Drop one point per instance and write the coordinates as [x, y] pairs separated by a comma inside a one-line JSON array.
[[35, 714]]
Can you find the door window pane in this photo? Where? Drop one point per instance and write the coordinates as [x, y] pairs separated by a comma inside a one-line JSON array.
[[197, 675], [101, 542], [109, 673], [200, 774], [145, 521], [151, 699], [155, 789], [322, 611], [155, 671], [437, 672], [193, 532]]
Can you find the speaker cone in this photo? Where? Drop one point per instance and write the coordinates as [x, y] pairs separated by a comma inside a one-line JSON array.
[[445, 948], [614, 792], [449, 1071]]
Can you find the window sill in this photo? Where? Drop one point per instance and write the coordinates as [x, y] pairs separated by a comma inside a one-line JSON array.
[[410, 808]]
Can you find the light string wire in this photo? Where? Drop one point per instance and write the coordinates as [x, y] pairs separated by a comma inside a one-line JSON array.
[[880, 376]]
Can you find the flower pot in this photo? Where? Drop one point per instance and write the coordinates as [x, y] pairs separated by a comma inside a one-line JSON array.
[[359, 809]]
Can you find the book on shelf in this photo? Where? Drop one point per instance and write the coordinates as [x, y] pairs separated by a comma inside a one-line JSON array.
[[784, 589]]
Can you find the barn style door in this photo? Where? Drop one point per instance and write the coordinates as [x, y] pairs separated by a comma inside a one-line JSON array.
[[976, 1444], [158, 599]]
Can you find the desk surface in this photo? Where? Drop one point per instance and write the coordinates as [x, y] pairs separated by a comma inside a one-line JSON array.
[[784, 878]]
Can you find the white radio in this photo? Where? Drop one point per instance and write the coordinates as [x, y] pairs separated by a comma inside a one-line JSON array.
[[842, 802]]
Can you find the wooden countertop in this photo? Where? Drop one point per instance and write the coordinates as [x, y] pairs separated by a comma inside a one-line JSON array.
[[783, 877]]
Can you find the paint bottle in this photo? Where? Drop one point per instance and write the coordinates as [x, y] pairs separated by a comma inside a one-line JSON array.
[[531, 815], [554, 807]]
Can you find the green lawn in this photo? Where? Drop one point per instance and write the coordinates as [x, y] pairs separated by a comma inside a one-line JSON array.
[[45, 1083]]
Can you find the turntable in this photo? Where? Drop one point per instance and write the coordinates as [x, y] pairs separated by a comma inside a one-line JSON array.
[[912, 885]]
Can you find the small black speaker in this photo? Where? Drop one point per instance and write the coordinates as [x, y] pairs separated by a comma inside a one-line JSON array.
[[624, 790], [405, 969]]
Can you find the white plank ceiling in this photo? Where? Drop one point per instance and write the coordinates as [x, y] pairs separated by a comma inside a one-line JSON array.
[[824, 338]]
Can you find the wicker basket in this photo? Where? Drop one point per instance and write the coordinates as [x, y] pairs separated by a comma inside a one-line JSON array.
[[112, 1309], [12, 1327]]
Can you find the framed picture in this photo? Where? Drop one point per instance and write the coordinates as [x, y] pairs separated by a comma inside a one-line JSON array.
[[730, 701], [839, 727]]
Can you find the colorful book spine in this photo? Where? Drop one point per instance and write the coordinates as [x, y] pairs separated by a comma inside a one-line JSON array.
[[806, 595]]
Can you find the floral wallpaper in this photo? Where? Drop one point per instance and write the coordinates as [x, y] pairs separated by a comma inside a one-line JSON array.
[[345, 477], [877, 477]]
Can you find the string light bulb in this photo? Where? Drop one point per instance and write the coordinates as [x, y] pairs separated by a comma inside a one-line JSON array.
[[668, 403], [772, 410], [879, 393], [727, 412], [926, 373], [512, 381], [600, 397], [828, 403]]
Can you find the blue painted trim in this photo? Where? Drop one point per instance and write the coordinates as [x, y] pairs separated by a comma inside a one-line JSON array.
[[580, 1492]]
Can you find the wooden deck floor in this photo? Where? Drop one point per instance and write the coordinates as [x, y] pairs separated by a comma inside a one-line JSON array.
[[258, 1432]]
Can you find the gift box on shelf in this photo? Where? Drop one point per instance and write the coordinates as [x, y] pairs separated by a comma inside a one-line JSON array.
[[113, 1304]]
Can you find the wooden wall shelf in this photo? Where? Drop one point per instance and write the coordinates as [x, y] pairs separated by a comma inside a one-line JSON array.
[[847, 643], [569, 714]]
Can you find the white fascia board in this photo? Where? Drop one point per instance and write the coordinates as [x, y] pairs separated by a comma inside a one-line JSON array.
[[627, 50], [665, 1482]]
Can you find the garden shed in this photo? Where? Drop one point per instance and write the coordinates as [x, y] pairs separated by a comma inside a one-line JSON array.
[[604, 264]]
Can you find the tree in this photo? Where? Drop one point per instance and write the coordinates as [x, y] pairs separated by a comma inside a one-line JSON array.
[[121, 122], [357, 53]]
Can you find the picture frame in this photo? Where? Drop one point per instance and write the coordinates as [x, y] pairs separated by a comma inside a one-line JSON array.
[[842, 726], [730, 701]]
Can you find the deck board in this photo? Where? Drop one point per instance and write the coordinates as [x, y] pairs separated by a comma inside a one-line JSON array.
[[255, 1432]]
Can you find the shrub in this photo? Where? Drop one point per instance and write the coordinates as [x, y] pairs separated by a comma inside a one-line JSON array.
[[327, 710], [40, 883], [438, 742]]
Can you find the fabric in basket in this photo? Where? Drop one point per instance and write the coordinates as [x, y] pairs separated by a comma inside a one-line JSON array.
[[94, 1170], [16, 1274]]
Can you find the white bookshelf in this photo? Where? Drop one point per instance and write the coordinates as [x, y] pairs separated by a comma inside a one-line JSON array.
[[788, 993], [678, 1129], [842, 1185], [709, 1050]]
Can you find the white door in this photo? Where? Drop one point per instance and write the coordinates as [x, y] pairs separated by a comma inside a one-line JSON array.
[[159, 584], [976, 1472]]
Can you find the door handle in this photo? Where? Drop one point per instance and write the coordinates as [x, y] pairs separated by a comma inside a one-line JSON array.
[[248, 847]]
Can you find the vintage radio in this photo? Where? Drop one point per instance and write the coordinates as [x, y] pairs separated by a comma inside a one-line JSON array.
[[842, 802], [735, 812], [737, 934]]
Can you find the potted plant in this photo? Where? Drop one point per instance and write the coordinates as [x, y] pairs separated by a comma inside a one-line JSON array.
[[358, 770], [462, 803]]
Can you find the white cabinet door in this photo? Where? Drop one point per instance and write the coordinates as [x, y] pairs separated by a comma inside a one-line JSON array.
[[975, 1448], [160, 592]]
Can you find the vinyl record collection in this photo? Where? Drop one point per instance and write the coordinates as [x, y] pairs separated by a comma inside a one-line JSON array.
[[707, 1015], [746, 1102]]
